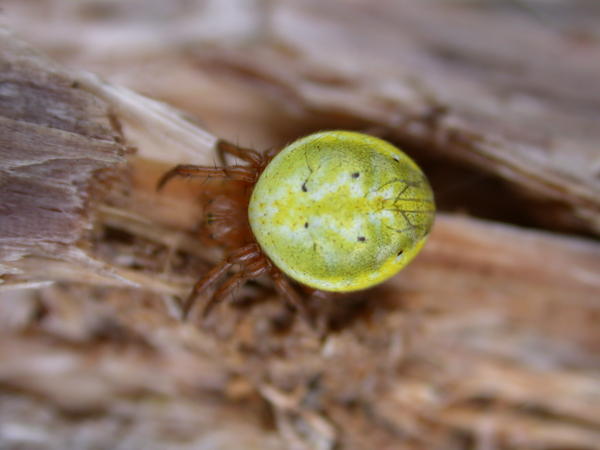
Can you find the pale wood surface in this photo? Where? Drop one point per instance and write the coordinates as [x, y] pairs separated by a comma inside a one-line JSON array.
[[489, 340]]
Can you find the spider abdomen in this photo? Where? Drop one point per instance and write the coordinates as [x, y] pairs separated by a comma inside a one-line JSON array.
[[341, 211]]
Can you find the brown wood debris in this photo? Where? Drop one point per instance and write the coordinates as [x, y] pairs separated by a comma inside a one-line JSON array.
[[489, 340]]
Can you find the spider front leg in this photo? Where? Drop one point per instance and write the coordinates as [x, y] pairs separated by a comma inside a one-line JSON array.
[[245, 154], [247, 173], [257, 161], [238, 173]]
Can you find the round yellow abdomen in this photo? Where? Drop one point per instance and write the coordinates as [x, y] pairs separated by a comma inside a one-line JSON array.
[[341, 211]]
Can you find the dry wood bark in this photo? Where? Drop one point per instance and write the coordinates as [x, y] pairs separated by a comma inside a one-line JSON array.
[[489, 340]]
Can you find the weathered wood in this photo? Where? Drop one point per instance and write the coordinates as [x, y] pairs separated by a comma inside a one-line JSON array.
[[58, 151], [489, 339], [63, 142]]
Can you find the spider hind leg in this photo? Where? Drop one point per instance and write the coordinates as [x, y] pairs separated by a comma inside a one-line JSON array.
[[248, 257], [253, 263], [251, 271], [287, 291]]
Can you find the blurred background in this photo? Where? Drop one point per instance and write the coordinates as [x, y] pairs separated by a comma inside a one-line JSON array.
[[490, 340]]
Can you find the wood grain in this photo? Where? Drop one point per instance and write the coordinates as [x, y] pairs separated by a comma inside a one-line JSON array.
[[490, 339]]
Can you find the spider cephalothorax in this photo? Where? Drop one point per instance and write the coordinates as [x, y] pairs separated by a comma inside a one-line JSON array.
[[337, 211]]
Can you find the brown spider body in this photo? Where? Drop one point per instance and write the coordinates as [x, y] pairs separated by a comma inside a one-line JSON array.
[[225, 218], [226, 224]]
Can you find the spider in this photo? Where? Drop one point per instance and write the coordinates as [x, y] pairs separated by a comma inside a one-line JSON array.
[[336, 211]]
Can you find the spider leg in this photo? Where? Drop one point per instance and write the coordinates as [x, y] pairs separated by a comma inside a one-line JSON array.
[[245, 154], [253, 270], [203, 284], [239, 256], [239, 173], [285, 289]]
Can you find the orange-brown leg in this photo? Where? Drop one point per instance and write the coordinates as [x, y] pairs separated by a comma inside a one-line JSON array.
[[238, 173], [258, 161], [287, 291], [245, 154], [253, 266], [253, 270], [203, 284], [240, 256]]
